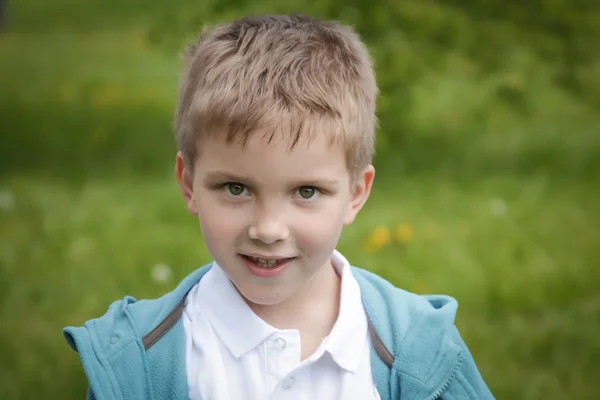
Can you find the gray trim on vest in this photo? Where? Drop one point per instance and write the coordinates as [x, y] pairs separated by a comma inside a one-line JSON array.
[[170, 320], [386, 356], [164, 326]]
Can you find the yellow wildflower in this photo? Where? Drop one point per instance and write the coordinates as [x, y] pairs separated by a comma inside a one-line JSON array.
[[379, 237], [404, 233]]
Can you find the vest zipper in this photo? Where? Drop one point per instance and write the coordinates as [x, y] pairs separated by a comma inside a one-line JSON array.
[[438, 393]]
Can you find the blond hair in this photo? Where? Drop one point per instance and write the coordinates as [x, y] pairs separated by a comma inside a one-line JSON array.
[[287, 74]]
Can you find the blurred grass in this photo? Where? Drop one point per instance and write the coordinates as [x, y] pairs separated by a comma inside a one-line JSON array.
[[490, 164], [519, 256]]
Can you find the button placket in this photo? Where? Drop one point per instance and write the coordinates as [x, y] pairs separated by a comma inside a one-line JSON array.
[[287, 383], [283, 356], [280, 343]]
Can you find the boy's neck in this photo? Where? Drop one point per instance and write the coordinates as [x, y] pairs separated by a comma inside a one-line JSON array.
[[313, 310]]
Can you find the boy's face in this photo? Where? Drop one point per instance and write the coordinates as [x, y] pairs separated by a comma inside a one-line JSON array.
[[263, 201]]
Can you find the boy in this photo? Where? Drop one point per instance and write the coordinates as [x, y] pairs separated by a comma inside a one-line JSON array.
[[275, 126]]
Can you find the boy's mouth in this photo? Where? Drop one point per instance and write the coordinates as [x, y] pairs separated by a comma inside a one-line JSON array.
[[267, 263]]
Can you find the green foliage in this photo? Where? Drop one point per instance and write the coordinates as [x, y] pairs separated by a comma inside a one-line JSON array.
[[509, 79], [488, 152]]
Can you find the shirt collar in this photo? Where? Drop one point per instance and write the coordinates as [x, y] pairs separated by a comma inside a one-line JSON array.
[[348, 338], [241, 330]]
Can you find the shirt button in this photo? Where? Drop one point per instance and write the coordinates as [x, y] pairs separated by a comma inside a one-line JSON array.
[[287, 383], [280, 343]]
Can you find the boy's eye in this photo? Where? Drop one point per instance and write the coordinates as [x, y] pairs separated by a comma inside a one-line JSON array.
[[308, 192], [235, 189]]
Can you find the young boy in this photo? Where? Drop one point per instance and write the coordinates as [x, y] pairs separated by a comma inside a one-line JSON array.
[[275, 126]]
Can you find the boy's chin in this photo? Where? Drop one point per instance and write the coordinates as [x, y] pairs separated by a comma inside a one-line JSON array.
[[263, 296]]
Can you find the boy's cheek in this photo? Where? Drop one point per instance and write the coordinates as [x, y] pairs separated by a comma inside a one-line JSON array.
[[219, 223], [323, 229]]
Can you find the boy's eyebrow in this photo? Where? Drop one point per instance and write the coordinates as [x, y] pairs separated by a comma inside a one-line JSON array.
[[318, 182], [214, 176]]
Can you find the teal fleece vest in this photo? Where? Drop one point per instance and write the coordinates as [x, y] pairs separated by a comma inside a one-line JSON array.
[[137, 351]]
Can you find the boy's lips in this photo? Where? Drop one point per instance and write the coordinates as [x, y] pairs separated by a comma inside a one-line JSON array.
[[265, 256]]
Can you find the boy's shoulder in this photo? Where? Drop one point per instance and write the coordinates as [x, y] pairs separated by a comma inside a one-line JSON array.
[[121, 351], [140, 317], [429, 353], [409, 324], [392, 305]]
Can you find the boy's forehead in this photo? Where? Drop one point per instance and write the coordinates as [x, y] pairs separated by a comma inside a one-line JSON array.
[[258, 153]]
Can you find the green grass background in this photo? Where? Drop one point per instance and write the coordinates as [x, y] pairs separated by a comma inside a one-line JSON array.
[[489, 149]]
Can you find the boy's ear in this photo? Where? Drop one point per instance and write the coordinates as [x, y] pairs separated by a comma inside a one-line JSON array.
[[360, 189], [186, 184]]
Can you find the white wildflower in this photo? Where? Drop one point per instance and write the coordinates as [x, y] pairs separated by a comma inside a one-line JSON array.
[[498, 207], [161, 273]]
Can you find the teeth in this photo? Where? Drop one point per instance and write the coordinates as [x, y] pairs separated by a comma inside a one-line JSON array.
[[266, 262]]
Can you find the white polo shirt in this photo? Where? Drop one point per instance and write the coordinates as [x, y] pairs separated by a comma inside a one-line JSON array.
[[233, 354]]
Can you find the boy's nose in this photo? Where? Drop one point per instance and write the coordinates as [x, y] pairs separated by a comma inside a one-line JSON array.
[[268, 230]]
